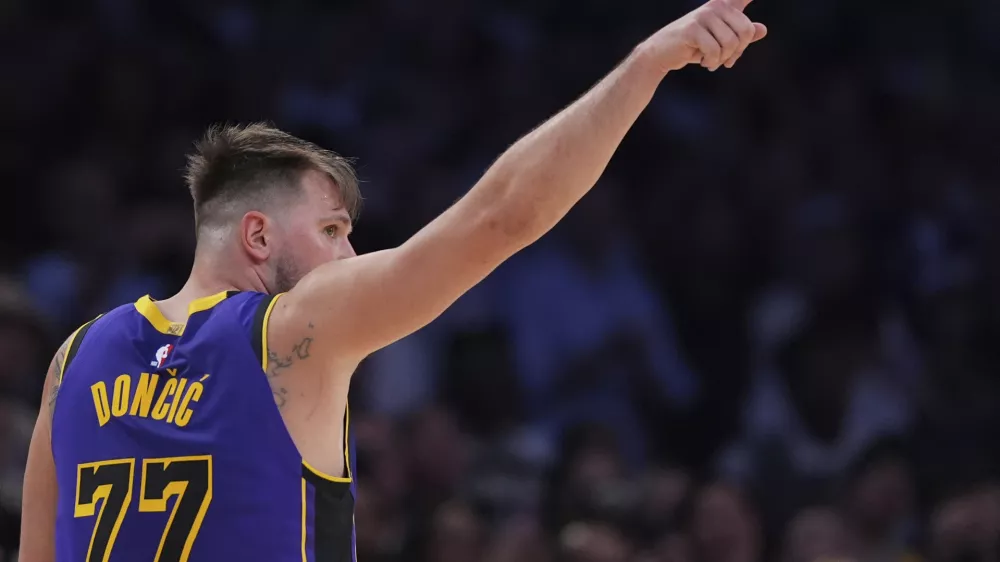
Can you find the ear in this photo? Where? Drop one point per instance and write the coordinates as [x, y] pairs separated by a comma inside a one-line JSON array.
[[257, 235]]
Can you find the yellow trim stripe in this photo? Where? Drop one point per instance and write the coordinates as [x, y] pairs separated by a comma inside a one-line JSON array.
[[263, 364], [205, 303], [69, 344], [324, 475], [347, 441], [305, 508], [347, 455], [146, 306], [263, 331]]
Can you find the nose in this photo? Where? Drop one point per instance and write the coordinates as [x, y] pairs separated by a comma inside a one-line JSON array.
[[348, 249]]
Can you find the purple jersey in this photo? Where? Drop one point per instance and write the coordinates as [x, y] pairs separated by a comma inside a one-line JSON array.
[[169, 447]]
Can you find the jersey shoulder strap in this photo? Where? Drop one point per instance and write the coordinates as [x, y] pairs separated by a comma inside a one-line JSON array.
[[75, 340], [252, 310], [258, 330]]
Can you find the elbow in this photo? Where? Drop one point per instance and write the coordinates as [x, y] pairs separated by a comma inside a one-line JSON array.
[[515, 220], [513, 226], [505, 211], [510, 230]]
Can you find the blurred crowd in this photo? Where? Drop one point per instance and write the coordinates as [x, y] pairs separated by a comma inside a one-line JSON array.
[[770, 333]]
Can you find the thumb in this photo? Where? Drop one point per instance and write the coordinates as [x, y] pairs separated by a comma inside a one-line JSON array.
[[759, 32]]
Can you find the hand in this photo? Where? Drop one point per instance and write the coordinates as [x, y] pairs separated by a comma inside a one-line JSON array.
[[713, 35]]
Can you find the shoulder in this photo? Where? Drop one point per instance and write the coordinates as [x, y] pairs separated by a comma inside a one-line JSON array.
[[53, 378], [245, 306], [62, 356]]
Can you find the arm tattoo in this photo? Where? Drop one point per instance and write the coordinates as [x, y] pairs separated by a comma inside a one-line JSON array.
[[55, 373], [52, 397], [277, 364]]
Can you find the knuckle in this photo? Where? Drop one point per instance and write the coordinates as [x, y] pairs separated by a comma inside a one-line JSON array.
[[693, 33]]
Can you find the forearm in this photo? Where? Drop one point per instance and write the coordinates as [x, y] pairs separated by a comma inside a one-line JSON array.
[[538, 179]]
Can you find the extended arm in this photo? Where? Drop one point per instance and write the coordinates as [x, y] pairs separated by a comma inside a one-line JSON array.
[[355, 306]]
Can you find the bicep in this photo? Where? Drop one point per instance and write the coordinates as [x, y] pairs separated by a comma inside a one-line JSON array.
[[365, 303]]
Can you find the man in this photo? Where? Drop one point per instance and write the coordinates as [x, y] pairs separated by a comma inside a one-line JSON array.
[[166, 443]]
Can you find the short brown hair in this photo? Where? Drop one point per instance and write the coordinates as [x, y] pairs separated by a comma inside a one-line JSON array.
[[237, 162]]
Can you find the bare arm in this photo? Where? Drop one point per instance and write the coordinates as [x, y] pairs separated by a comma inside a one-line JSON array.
[[367, 302], [356, 306], [41, 491]]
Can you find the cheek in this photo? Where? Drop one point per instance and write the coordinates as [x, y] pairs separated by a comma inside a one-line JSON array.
[[312, 249]]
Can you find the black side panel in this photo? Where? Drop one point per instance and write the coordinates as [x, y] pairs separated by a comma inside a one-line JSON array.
[[257, 332], [74, 347], [333, 519]]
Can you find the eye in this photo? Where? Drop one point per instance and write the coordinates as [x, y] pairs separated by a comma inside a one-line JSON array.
[[332, 231]]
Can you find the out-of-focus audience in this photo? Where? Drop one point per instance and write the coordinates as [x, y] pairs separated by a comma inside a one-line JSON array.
[[769, 334]]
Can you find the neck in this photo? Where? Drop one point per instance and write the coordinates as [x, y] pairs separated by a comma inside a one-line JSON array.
[[213, 273]]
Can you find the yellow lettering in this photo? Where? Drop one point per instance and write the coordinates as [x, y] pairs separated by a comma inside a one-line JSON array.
[[177, 400], [119, 404], [161, 409], [173, 372], [100, 392], [193, 395], [172, 402], [143, 398]]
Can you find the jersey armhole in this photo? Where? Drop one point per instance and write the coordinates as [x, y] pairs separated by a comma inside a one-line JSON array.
[[258, 331], [258, 340]]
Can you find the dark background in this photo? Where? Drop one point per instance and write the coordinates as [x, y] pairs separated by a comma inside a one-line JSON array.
[[769, 334]]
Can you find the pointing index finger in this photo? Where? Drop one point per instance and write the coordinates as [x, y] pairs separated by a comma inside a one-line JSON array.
[[738, 4]]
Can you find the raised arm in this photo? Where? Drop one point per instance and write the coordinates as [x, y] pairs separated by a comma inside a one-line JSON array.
[[41, 490], [352, 307]]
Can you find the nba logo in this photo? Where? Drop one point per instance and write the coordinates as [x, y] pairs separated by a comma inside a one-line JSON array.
[[161, 355]]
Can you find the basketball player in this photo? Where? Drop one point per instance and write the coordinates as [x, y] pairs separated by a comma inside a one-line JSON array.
[[213, 425]]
